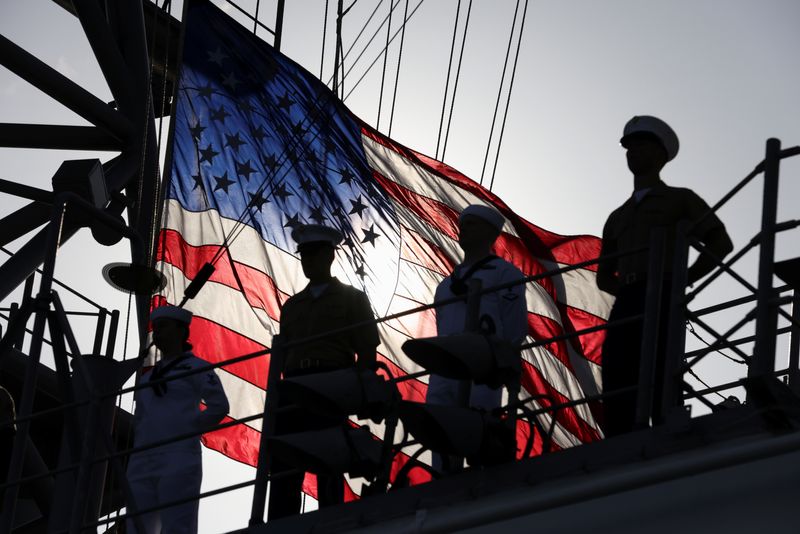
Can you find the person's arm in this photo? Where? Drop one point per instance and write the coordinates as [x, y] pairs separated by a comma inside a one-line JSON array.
[[514, 308], [365, 338], [607, 270], [214, 397], [719, 245], [711, 233]]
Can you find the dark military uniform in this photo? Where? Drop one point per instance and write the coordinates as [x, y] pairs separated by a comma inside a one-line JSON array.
[[304, 315], [628, 227]]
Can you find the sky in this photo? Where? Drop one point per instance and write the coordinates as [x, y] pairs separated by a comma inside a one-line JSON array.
[[725, 74]]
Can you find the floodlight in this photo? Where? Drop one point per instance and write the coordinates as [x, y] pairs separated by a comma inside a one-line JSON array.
[[481, 437], [481, 358], [342, 392], [331, 451]]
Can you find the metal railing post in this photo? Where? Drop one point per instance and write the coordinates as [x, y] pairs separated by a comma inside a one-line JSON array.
[[766, 312], [276, 361], [650, 330], [671, 395]]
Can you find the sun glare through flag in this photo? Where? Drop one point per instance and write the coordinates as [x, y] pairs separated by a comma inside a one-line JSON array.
[[259, 146]]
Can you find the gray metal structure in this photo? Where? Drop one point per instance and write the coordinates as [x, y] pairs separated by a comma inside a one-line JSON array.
[[136, 45]]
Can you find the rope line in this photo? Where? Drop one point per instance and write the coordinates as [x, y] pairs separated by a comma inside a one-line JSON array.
[[691, 329], [399, 60], [458, 76], [510, 88], [447, 80], [324, 39], [385, 61], [499, 91]]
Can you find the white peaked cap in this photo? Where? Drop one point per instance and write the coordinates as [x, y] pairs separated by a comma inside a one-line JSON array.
[[490, 215], [171, 312], [656, 127], [316, 233]]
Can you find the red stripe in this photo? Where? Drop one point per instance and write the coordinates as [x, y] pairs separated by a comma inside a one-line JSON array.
[[417, 249], [239, 442], [534, 383], [563, 249], [259, 288], [215, 343]]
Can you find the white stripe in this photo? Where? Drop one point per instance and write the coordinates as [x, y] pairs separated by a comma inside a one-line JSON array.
[[560, 378], [245, 399], [417, 179], [221, 304]]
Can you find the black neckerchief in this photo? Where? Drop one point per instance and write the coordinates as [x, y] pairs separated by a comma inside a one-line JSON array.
[[458, 284], [160, 372]]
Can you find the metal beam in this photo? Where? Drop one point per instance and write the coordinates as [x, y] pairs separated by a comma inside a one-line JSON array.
[[57, 137], [105, 49], [16, 269], [64, 90], [22, 221]]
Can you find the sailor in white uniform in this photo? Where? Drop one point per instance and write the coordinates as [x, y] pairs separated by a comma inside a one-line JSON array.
[[502, 313], [169, 409]]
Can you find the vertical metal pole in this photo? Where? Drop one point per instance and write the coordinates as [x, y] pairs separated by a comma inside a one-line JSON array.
[[99, 331], [276, 361], [766, 313], [794, 344], [650, 330], [672, 394], [112, 334], [29, 384], [337, 46], [279, 24]]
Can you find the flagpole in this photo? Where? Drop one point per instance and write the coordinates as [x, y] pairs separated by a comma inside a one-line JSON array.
[[279, 25]]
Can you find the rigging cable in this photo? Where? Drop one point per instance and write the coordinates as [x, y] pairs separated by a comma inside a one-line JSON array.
[[458, 75], [324, 38], [447, 80], [399, 60], [500, 91], [510, 88], [385, 60], [366, 46], [255, 21], [274, 180], [419, 4]]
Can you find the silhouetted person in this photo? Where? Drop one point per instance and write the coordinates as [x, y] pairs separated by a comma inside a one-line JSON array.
[[650, 143], [503, 313], [325, 304], [169, 409]]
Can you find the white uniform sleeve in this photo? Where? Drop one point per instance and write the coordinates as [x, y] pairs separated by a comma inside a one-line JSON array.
[[214, 397], [513, 307]]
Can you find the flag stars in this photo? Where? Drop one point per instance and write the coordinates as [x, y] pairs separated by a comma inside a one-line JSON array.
[[298, 129], [257, 200], [234, 141], [198, 181], [196, 129], [360, 271], [293, 221], [217, 56], [357, 206], [347, 176], [279, 191], [317, 215], [207, 154], [219, 114], [306, 185], [370, 235], [244, 169], [270, 162], [312, 158], [206, 91], [231, 81], [223, 182], [284, 102], [259, 134]]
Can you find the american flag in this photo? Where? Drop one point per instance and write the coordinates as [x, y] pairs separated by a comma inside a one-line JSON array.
[[259, 146]]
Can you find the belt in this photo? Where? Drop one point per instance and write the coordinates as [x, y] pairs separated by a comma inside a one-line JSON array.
[[632, 278], [312, 365]]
